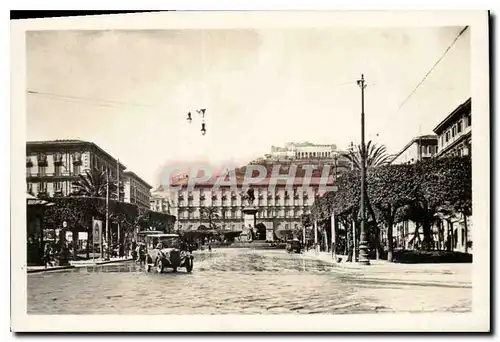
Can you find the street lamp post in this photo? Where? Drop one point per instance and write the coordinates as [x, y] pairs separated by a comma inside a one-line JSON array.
[[107, 219], [363, 244]]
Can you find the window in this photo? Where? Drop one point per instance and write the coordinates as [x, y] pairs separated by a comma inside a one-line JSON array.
[[459, 126], [447, 136], [29, 188], [28, 170], [469, 120], [76, 169], [453, 131], [42, 187], [57, 170], [58, 186], [42, 170]]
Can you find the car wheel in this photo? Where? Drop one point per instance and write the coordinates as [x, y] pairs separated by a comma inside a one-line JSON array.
[[189, 265], [174, 269], [159, 266]]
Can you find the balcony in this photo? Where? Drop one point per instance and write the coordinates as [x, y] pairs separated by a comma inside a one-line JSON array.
[[58, 159], [52, 174]]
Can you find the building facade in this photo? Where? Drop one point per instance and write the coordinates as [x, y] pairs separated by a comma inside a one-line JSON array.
[[455, 132], [302, 151], [453, 138], [53, 166], [418, 149], [136, 190], [159, 202], [279, 209]]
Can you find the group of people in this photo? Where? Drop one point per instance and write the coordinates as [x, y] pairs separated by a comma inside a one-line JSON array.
[[55, 255], [138, 252]]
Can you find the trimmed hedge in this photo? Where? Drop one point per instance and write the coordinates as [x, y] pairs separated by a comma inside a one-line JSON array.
[[431, 257]]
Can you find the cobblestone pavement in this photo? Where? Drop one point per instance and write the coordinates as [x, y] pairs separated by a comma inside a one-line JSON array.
[[234, 281]]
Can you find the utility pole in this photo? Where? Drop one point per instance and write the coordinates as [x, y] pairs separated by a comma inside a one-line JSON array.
[[363, 244]]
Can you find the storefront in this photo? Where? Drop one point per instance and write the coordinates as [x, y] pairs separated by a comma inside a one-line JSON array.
[[35, 209]]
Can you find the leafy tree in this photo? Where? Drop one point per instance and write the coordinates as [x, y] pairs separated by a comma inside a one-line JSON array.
[[390, 188], [444, 183], [344, 203], [211, 214]]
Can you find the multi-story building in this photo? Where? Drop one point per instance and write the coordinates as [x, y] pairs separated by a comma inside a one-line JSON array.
[[455, 132], [455, 139], [303, 150], [53, 166], [280, 209], [137, 191], [419, 148], [159, 202]]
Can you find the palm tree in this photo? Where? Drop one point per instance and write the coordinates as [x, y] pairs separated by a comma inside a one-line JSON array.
[[93, 184], [376, 155]]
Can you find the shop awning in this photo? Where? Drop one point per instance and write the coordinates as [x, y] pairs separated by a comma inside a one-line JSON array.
[[32, 200]]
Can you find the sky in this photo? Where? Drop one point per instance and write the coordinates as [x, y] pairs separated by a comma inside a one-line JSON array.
[[129, 91]]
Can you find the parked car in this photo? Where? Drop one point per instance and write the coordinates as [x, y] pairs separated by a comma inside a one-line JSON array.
[[293, 246], [165, 251]]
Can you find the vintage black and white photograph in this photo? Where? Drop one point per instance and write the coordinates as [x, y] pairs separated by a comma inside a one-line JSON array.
[[279, 166]]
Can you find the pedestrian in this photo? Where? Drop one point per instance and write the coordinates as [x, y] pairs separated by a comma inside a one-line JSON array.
[[46, 255], [138, 253]]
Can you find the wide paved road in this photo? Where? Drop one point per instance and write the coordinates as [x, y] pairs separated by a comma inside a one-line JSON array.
[[233, 281]]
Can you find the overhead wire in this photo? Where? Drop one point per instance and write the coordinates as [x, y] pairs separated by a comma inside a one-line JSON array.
[[433, 67], [79, 99]]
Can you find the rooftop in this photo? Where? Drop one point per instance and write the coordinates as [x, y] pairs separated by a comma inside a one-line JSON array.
[[428, 137], [68, 143], [134, 175], [464, 107]]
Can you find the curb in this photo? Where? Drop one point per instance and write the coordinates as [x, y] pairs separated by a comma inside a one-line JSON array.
[[99, 263], [50, 269]]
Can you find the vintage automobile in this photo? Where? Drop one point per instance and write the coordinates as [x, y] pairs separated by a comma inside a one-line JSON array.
[[165, 251], [293, 246]]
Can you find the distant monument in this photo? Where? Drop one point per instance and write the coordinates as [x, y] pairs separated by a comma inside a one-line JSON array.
[[250, 196], [249, 212]]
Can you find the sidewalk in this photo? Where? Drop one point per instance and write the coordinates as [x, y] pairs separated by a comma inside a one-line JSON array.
[[457, 275], [38, 269], [96, 262], [74, 264]]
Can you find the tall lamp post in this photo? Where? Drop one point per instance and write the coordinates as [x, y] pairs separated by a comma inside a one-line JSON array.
[[363, 244]]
